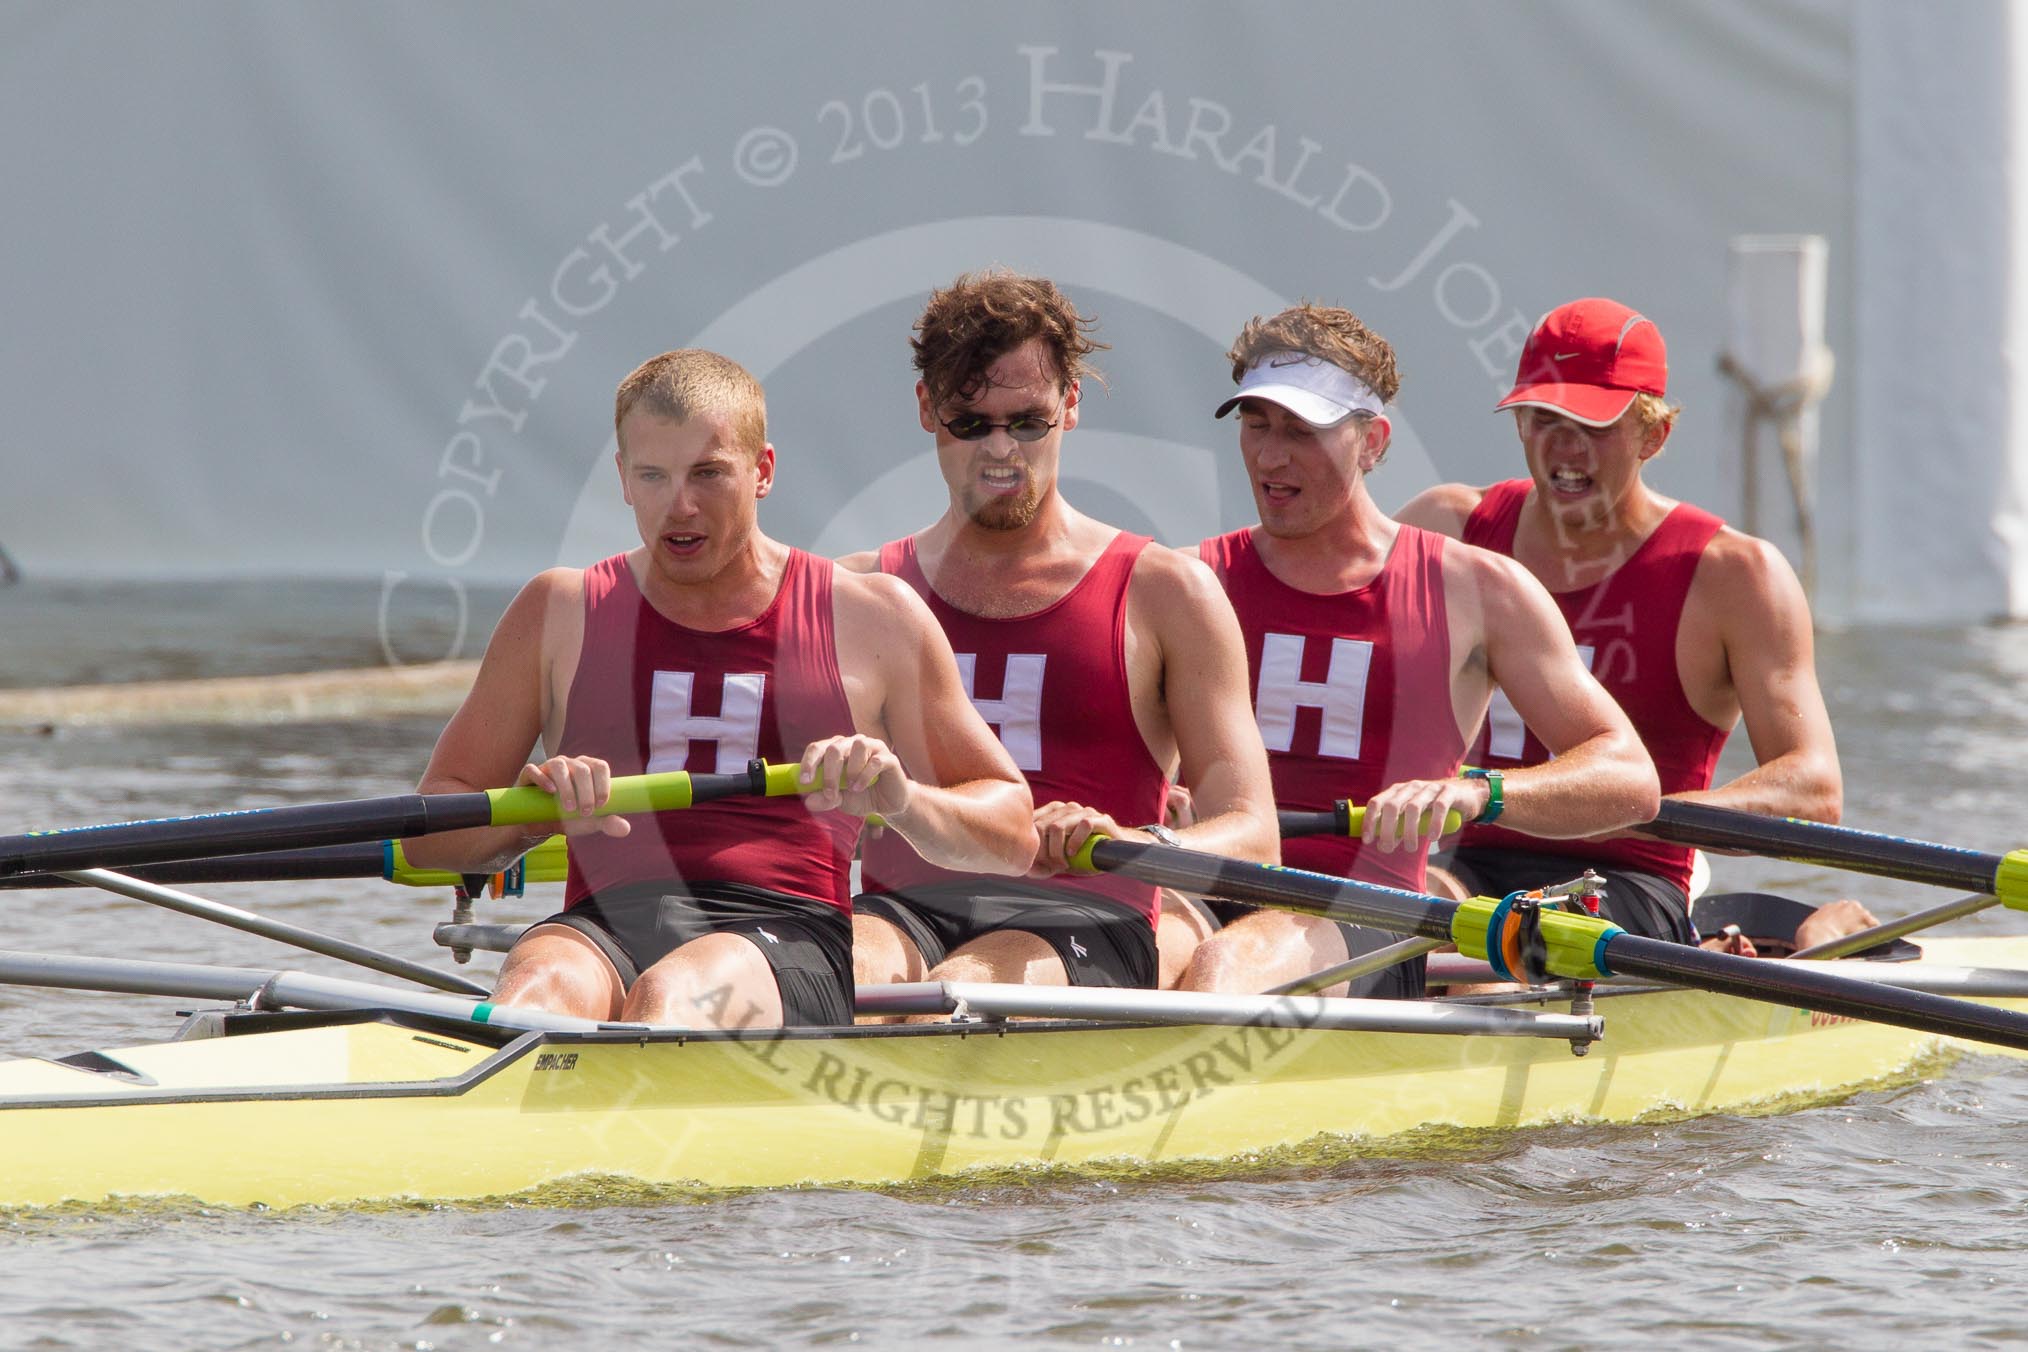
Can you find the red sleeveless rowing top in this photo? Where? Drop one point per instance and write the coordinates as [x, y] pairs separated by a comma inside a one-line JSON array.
[[1625, 627], [1054, 686], [652, 695], [1352, 690]]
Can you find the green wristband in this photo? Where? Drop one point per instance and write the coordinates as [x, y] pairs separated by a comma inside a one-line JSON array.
[[1495, 800]]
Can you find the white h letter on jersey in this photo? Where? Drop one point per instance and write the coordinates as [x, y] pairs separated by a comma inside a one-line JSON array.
[[1341, 694], [1017, 714], [672, 727]]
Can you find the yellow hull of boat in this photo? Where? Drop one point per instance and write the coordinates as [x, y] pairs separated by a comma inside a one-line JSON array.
[[324, 1110]]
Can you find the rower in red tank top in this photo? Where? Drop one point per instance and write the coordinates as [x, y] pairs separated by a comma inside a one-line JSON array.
[[1373, 646], [1626, 626], [1339, 684], [709, 702], [706, 647], [1691, 625], [1101, 662], [1053, 684]]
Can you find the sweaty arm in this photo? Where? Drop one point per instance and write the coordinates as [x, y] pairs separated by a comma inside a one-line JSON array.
[[959, 800], [1601, 779], [1752, 597], [488, 740]]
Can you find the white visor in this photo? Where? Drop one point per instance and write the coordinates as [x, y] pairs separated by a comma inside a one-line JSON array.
[[1318, 392]]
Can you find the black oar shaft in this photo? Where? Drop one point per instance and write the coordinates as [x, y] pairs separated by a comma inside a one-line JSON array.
[[1298, 822], [1800, 985], [125, 844], [1810, 986], [1354, 903], [367, 859], [1885, 856]]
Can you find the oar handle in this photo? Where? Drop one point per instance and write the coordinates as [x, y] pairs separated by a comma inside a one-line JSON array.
[[1345, 820], [665, 792]]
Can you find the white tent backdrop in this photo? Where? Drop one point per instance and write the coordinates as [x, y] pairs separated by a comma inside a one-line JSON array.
[[346, 289]]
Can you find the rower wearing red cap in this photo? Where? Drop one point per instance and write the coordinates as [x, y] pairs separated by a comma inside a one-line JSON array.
[[1690, 624], [1373, 648]]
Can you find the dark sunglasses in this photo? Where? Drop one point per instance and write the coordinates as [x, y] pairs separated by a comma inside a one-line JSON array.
[[977, 427]]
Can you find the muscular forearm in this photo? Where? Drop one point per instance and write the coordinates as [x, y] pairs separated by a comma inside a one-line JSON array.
[[1241, 831], [1595, 787], [985, 826]]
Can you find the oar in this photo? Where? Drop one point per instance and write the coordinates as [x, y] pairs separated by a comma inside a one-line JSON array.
[[2004, 876], [168, 839], [268, 990], [1996, 878], [548, 862], [1557, 943], [279, 930]]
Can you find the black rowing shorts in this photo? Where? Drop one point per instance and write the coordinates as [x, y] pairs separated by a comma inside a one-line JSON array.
[[1639, 903], [807, 944], [1102, 943]]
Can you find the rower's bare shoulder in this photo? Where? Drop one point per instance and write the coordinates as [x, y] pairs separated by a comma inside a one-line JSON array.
[[548, 606], [1743, 576], [1444, 508], [1178, 582], [878, 603], [1490, 576], [864, 561]]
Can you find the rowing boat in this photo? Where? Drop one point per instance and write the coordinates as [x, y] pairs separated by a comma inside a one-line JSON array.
[[314, 1090], [336, 1107]]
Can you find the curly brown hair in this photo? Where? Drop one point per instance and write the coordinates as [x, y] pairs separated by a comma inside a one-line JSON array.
[[982, 316], [692, 380], [1327, 332]]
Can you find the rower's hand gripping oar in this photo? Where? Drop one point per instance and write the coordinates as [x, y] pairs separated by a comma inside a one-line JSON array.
[[259, 830], [1519, 941]]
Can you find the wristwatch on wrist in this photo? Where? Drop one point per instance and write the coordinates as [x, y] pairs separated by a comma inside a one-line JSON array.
[[1494, 802], [1162, 833]]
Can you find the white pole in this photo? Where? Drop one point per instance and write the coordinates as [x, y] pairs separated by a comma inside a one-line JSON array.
[[1780, 370]]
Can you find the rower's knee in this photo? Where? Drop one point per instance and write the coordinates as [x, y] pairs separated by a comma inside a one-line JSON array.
[[1180, 929], [1218, 967], [558, 970], [718, 981]]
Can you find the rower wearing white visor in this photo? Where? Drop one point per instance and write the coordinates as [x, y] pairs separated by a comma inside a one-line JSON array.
[[1372, 651]]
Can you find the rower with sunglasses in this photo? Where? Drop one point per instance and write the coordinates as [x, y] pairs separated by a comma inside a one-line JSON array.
[[1101, 662]]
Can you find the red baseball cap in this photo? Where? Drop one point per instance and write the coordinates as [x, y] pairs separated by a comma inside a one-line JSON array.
[[1588, 359]]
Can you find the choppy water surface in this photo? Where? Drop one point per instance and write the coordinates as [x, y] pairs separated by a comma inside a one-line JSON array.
[[1891, 1219]]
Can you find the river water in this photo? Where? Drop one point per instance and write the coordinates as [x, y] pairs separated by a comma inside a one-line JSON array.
[[1891, 1219]]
